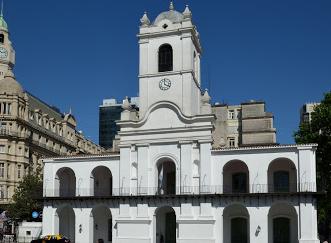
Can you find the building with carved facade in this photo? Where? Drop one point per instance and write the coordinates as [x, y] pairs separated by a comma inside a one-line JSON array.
[[30, 129], [168, 183]]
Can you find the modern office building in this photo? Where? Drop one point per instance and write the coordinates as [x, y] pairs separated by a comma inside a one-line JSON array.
[[110, 112], [167, 183], [306, 112], [30, 129]]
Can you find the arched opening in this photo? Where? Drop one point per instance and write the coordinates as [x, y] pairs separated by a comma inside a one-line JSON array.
[[235, 177], [165, 58], [166, 178], [236, 224], [165, 225], [282, 176], [2, 38], [102, 181], [66, 220], [65, 183], [282, 224], [102, 224]]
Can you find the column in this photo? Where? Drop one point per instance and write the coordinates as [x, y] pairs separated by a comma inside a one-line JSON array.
[[307, 221]]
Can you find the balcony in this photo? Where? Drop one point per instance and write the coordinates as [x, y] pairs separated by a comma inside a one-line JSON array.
[[182, 190]]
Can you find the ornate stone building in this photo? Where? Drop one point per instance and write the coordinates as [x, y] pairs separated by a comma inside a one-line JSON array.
[[29, 128], [247, 124]]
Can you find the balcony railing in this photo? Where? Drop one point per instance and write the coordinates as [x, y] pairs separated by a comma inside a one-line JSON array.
[[182, 190]]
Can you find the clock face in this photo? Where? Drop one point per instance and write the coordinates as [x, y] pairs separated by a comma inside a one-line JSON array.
[[3, 53], [165, 84]]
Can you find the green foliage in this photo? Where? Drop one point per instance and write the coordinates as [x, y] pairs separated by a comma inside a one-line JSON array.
[[319, 131], [26, 198]]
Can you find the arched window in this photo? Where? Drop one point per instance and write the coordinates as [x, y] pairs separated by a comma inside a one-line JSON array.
[[2, 38], [165, 58]]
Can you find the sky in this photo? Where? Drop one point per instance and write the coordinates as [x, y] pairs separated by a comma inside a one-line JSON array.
[[75, 53]]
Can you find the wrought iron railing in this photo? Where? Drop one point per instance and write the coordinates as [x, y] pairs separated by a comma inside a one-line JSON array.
[[181, 190]]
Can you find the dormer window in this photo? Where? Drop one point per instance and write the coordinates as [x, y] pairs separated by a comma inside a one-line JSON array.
[[2, 38], [165, 58]]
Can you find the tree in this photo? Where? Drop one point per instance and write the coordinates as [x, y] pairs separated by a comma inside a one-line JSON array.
[[318, 130], [26, 198]]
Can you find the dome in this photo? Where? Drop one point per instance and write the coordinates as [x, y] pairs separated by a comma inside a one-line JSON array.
[[9, 85], [172, 15]]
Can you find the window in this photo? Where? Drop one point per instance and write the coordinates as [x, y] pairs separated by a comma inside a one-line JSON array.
[[165, 58], [239, 230], [2, 149], [2, 170], [231, 114], [281, 181], [2, 192], [239, 183], [8, 171], [2, 38], [19, 171], [231, 142], [281, 230], [28, 233]]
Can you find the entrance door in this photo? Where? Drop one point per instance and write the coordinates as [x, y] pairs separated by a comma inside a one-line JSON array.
[[170, 236], [239, 230], [281, 230]]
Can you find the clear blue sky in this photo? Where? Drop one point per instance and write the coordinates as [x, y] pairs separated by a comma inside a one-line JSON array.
[[74, 53]]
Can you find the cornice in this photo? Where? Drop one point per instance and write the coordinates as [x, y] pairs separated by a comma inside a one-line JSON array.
[[285, 146]]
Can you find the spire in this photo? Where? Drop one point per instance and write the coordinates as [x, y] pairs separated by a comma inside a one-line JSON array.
[[187, 13], [172, 7], [145, 20], [2, 8], [3, 24]]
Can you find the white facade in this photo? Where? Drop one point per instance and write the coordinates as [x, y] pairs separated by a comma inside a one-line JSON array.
[[167, 184], [28, 231]]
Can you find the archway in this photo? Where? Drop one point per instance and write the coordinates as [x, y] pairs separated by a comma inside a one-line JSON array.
[[67, 222], [65, 183], [165, 225], [101, 181], [102, 224], [166, 178], [282, 224], [282, 176], [235, 177], [235, 224]]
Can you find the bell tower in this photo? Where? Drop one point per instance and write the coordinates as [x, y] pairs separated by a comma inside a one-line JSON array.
[[7, 53], [169, 66]]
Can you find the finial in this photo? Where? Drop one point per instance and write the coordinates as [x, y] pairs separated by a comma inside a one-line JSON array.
[[145, 20], [187, 13], [206, 97], [126, 104], [172, 7], [70, 111]]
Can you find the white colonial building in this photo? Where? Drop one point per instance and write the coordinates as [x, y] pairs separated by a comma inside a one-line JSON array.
[[167, 184]]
